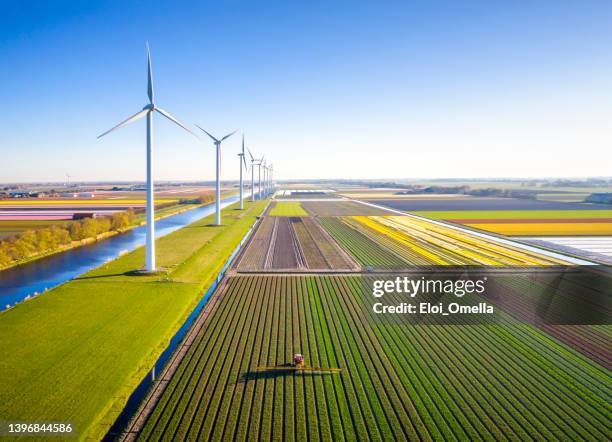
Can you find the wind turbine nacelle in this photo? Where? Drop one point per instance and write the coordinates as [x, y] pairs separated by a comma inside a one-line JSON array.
[[149, 106]]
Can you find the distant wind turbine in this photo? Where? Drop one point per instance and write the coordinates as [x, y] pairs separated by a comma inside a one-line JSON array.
[[252, 175], [217, 144], [242, 162], [261, 163], [67, 180], [148, 111]]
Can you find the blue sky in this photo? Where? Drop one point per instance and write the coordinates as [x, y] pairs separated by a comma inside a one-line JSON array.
[[325, 89]]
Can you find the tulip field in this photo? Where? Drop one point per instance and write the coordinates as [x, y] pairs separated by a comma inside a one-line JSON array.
[[403, 241]]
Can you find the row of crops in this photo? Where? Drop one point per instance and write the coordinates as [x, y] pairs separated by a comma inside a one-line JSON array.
[[498, 381], [575, 307]]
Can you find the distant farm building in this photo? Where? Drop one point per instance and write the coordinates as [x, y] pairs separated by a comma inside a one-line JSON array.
[[83, 215]]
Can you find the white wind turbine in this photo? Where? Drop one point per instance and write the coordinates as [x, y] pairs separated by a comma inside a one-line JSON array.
[[242, 161], [217, 144], [148, 111], [261, 163], [253, 161], [265, 179]]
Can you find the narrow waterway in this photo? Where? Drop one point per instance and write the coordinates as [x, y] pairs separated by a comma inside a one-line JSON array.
[[37, 276]]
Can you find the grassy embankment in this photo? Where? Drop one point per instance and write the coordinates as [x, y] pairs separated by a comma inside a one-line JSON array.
[[288, 208], [76, 353]]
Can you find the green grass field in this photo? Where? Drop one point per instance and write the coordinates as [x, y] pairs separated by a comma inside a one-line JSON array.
[[516, 214], [288, 208], [399, 381], [76, 353]]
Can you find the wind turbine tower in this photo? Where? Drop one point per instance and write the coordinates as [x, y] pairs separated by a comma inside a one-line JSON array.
[[148, 112], [252, 175], [242, 162], [217, 144]]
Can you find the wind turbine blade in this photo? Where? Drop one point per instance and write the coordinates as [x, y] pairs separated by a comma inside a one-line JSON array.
[[136, 116], [229, 135], [213, 138], [243, 145], [150, 76], [244, 161], [174, 120], [251, 155]]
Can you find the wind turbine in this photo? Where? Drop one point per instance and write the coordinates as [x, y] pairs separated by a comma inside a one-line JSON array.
[[261, 162], [252, 174], [68, 180], [148, 111], [217, 144], [265, 179], [242, 161]]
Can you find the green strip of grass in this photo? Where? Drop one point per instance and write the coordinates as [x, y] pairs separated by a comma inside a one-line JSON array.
[[288, 208], [76, 353], [515, 214]]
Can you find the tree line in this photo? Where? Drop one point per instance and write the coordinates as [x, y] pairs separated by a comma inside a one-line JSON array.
[[32, 242]]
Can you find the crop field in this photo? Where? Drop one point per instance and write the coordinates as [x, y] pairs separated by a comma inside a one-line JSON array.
[[397, 381], [340, 208], [292, 243], [483, 204], [532, 222], [521, 296], [63, 210], [288, 208], [401, 241], [383, 194], [559, 228], [462, 216]]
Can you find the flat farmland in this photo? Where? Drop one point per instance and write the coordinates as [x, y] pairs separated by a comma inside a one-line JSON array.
[[498, 381], [464, 215], [532, 222], [484, 204], [541, 228], [292, 243], [340, 208]]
